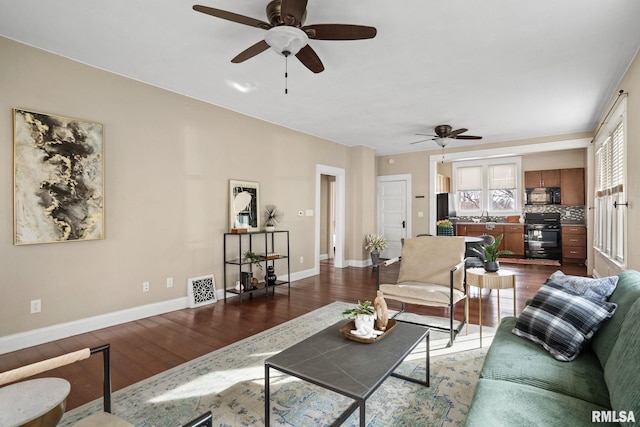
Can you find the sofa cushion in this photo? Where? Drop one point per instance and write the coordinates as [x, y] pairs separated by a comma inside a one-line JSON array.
[[588, 287], [626, 294], [507, 404], [561, 320], [511, 358], [622, 372]]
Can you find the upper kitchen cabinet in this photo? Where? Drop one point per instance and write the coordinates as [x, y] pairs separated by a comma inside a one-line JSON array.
[[543, 178], [572, 186]]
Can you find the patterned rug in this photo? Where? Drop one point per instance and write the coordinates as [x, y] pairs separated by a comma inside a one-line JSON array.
[[230, 383]]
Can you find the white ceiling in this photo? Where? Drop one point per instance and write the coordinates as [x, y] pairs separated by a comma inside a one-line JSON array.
[[504, 69]]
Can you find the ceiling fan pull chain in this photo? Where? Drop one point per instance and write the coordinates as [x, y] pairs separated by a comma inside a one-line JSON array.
[[286, 73]]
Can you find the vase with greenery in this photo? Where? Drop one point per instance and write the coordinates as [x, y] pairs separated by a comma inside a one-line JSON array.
[[444, 227], [254, 258], [375, 243], [273, 216], [490, 254], [362, 313]]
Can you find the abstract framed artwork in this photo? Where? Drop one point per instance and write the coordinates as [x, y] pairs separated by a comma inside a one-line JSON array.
[[58, 178], [244, 201], [201, 291]]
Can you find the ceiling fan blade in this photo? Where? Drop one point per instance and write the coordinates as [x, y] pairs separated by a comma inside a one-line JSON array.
[[252, 51], [422, 140], [425, 134], [339, 32], [233, 17], [467, 137], [454, 133], [292, 11], [310, 59]]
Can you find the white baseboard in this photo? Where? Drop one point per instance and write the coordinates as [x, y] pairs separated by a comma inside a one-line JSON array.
[[26, 339], [361, 263], [22, 340], [324, 257]]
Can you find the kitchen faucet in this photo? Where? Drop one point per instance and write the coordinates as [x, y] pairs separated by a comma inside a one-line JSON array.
[[485, 214]]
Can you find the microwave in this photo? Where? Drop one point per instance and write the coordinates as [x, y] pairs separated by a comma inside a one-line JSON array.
[[543, 196]]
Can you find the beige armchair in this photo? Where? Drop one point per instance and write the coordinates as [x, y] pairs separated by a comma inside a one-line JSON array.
[[432, 273]]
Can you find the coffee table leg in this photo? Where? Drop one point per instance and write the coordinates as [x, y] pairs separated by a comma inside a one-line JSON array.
[[428, 367], [363, 421], [267, 409]]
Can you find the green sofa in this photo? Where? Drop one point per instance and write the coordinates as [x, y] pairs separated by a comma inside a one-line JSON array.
[[521, 384]]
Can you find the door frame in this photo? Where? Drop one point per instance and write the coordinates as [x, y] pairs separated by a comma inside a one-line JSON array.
[[401, 177], [339, 175]]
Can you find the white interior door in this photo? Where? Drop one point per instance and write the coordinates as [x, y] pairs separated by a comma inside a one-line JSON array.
[[392, 213]]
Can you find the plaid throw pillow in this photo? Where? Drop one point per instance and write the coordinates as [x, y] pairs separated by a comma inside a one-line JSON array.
[[561, 320]]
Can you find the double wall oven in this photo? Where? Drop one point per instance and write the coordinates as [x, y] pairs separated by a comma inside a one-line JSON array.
[[543, 236]]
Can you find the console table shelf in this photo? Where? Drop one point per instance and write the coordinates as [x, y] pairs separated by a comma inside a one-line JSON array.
[[265, 242]]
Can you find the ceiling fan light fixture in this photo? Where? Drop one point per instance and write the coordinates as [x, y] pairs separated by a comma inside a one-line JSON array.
[[286, 40], [442, 142]]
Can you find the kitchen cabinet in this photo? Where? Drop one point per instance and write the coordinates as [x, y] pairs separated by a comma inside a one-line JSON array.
[[542, 178], [574, 243], [572, 186], [478, 230], [514, 239]]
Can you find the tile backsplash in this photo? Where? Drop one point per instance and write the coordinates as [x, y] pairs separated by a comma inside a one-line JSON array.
[[567, 213]]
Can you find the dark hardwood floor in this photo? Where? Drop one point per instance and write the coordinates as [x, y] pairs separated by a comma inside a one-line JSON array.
[[149, 346]]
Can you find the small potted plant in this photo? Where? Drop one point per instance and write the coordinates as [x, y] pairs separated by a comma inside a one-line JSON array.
[[256, 260], [273, 217], [490, 254], [375, 243], [363, 313], [444, 227]]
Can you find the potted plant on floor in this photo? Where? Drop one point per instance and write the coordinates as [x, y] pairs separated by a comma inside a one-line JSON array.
[[490, 254], [375, 243]]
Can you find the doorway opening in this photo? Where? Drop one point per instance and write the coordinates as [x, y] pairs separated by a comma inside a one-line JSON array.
[[330, 215]]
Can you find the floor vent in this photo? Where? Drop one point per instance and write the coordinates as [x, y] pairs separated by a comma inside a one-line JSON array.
[[201, 291]]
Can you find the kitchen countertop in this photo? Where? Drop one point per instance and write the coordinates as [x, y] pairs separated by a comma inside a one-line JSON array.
[[488, 222]]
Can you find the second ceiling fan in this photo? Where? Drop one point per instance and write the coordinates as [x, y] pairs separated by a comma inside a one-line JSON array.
[[444, 135], [286, 33]]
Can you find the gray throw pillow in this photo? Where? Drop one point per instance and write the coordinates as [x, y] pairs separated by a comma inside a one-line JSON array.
[[561, 320], [600, 289]]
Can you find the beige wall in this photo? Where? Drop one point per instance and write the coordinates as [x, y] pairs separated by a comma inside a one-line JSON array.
[[168, 161]]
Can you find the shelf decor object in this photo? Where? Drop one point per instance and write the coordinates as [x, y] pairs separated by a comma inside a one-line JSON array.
[[244, 200], [58, 181]]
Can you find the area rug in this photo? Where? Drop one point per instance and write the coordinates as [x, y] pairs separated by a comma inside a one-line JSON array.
[[230, 383], [529, 261]]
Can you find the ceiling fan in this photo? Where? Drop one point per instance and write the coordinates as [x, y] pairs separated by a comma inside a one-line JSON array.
[[445, 134], [286, 33]]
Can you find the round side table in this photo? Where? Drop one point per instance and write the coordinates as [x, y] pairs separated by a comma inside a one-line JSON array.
[[39, 402], [501, 279]]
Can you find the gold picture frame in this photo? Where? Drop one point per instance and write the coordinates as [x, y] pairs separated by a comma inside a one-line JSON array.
[[58, 178]]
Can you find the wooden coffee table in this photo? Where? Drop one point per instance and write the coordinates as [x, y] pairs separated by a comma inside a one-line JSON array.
[[349, 368]]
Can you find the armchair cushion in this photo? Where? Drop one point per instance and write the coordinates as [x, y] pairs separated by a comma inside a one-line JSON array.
[[421, 293]]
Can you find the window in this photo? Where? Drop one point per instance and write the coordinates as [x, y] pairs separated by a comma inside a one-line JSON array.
[[610, 217], [491, 185]]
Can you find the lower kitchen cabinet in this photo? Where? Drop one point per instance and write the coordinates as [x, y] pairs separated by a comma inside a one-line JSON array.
[[574, 243]]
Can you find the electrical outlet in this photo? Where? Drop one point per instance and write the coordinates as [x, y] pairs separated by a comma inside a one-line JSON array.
[[301, 260], [36, 306], [145, 286], [169, 282]]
